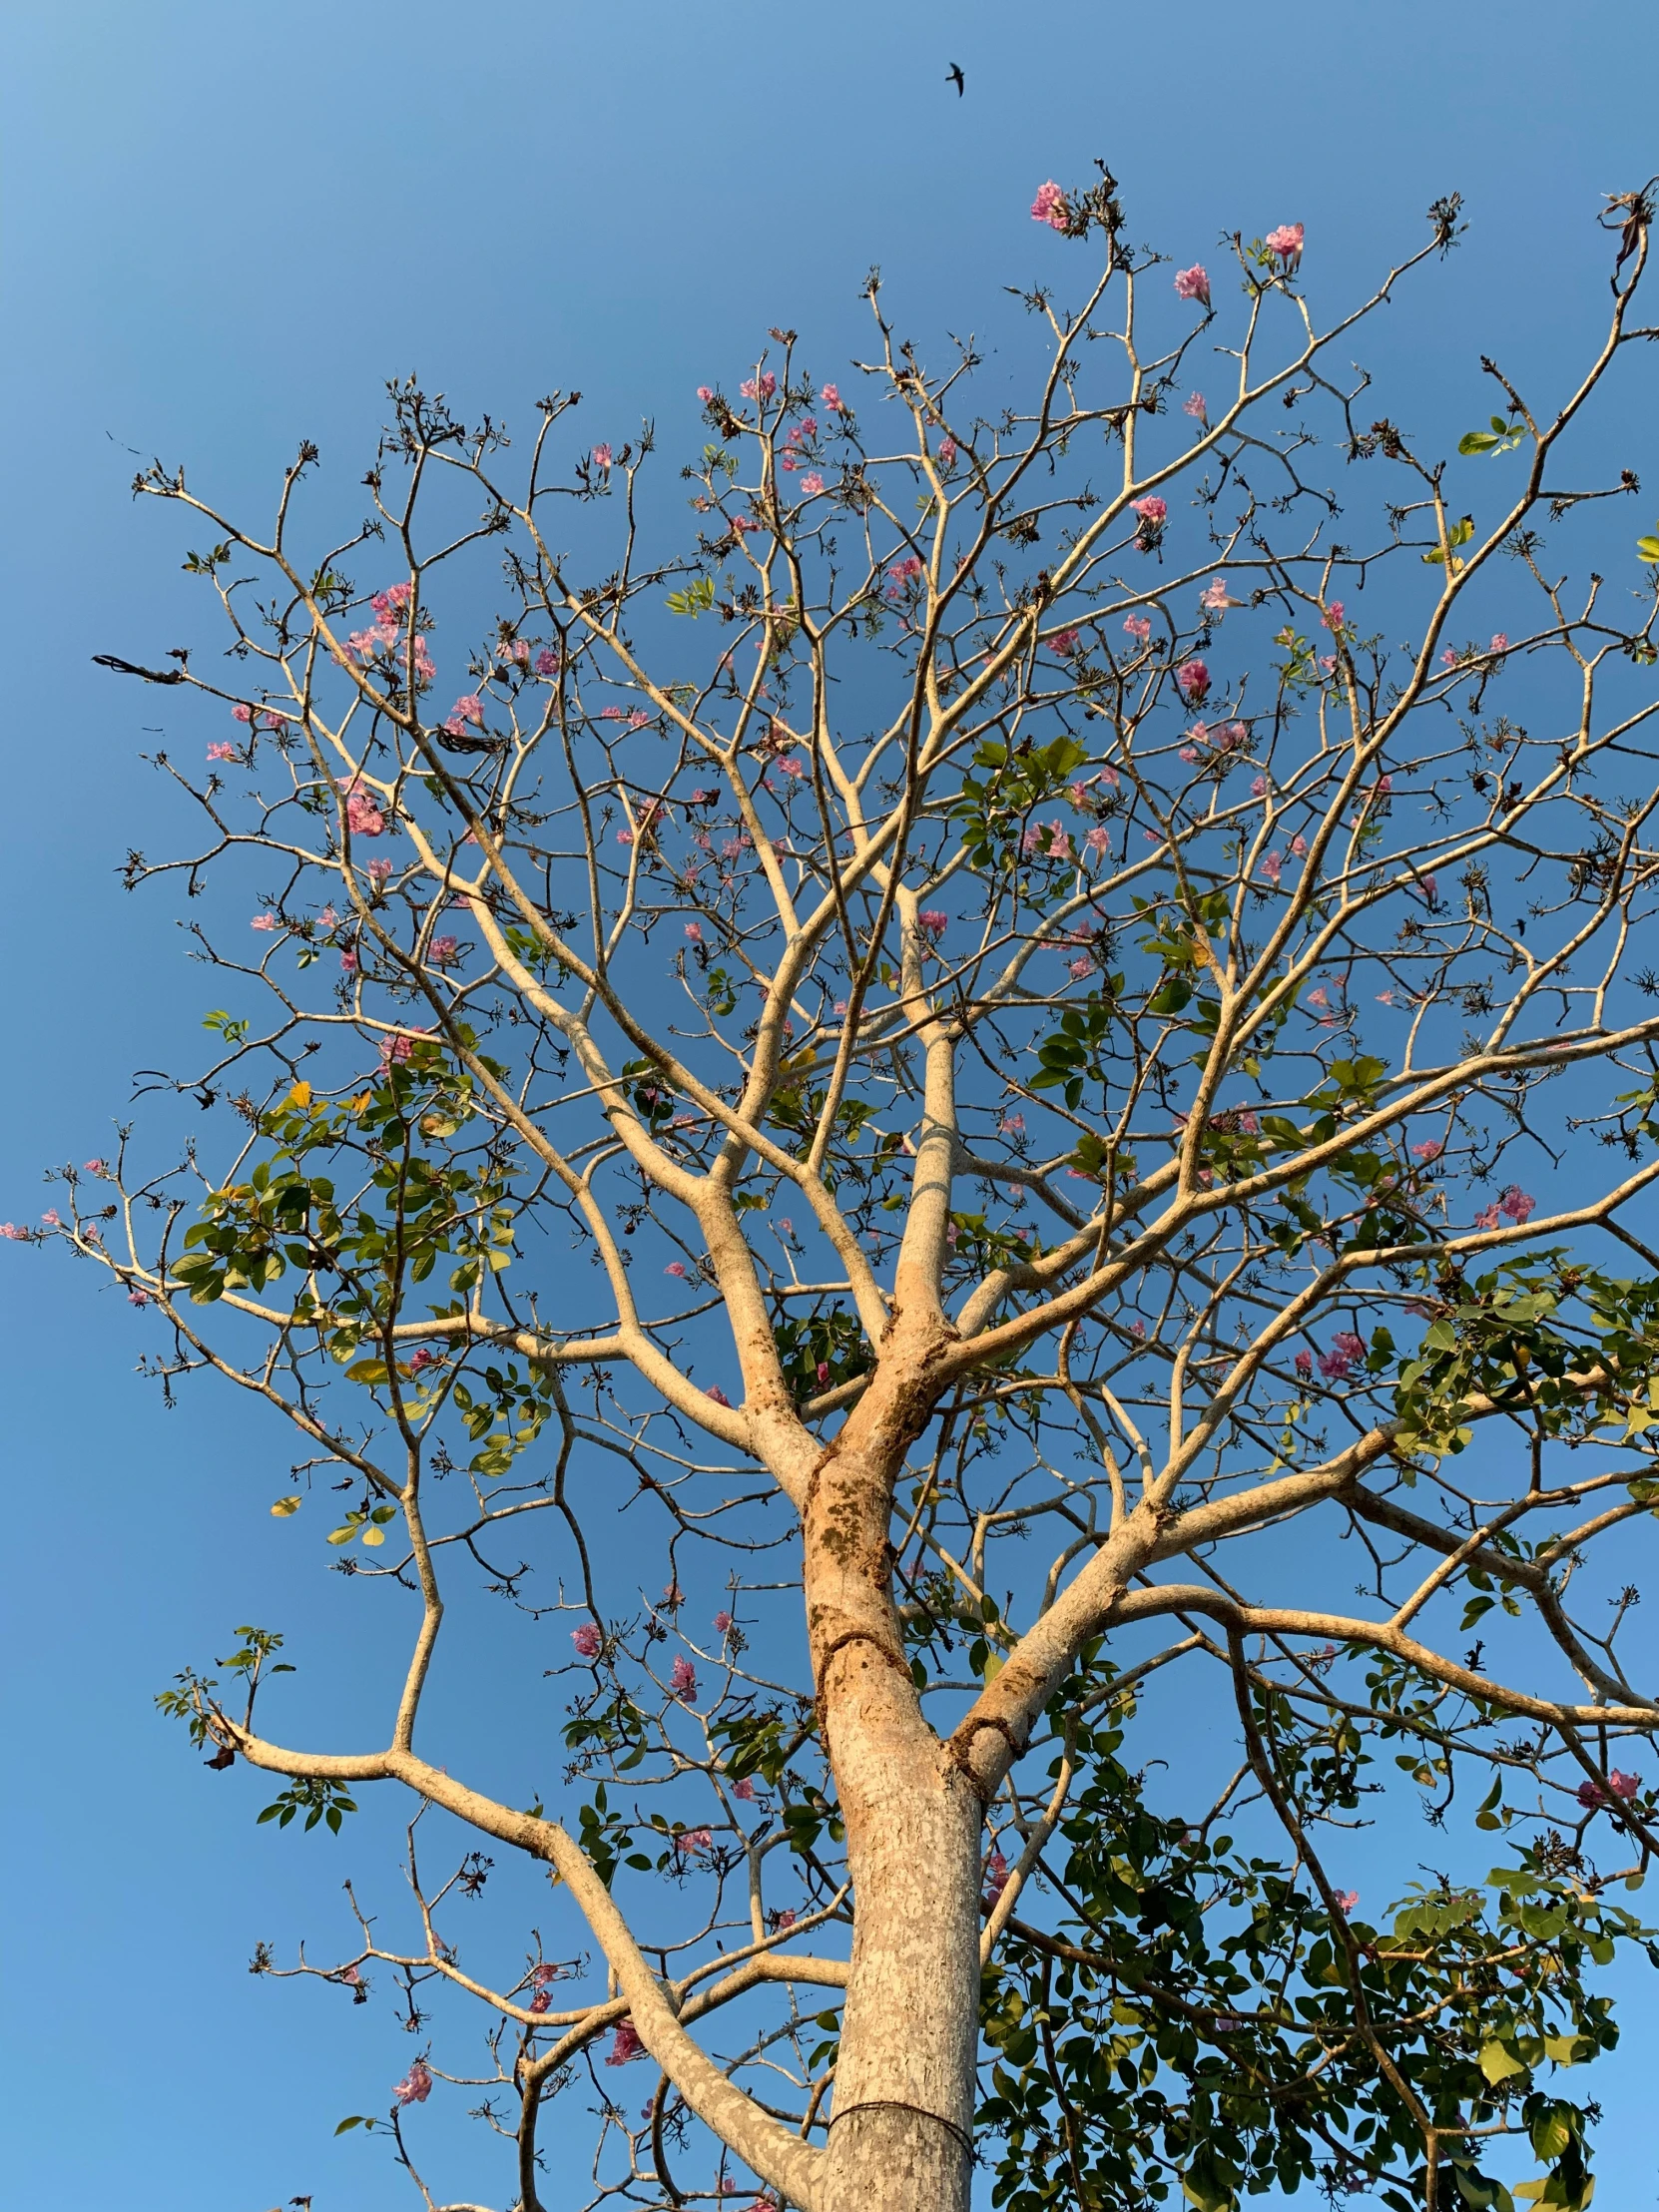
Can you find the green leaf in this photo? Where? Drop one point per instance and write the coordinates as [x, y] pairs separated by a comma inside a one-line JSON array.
[[1497, 2064], [1647, 549], [353, 2119], [696, 598]]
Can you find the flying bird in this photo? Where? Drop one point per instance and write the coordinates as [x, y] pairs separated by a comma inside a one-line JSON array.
[[954, 76]]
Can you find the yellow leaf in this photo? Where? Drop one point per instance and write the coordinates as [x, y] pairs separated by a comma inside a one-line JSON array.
[[285, 1506], [300, 1095], [374, 1535]]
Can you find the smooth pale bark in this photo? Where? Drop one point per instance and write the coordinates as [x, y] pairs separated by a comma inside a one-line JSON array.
[[902, 2128]]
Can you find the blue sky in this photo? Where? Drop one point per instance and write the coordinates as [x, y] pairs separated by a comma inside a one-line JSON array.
[[224, 226]]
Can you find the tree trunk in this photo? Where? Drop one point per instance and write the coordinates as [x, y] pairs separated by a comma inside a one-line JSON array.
[[903, 2119], [900, 2131]]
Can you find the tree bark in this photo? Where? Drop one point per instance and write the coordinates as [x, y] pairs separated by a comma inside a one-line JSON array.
[[900, 2131]]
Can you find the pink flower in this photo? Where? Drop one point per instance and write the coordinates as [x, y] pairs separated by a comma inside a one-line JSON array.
[[694, 930], [1196, 406], [1345, 1349], [52, 1218], [786, 1920], [692, 1839], [602, 457], [1012, 1125], [714, 1393], [1624, 1784], [705, 392], [1188, 753], [760, 387], [547, 662], [996, 1875], [362, 814], [396, 1048], [1318, 997], [1139, 627], [264, 921], [683, 1680], [241, 714], [1500, 641], [1098, 838], [1080, 967], [812, 486], [348, 961], [95, 1167], [443, 952], [1060, 844], [1305, 1364], [1514, 1205], [13, 1234], [723, 1624], [468, 708], [1430, 890], [1273, 865], [378, 873], [1050, 207], [1192, 679], [934, 923], [415, 2086], [831, 398], [677, 1267], [1153, 514], [1344, 1900], [588, 1639], [624, 2044], [543, 1975], [1333, 615], [948, 452], [1193, 284], [1430, 1149], [1286, 242], [223, 751], [542, 2002], [744, 1788]]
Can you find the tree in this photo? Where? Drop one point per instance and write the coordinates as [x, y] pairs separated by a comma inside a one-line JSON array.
[[1052, 1213]]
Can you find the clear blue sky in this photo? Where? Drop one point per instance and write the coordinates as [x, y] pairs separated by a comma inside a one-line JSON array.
[[223, 227]]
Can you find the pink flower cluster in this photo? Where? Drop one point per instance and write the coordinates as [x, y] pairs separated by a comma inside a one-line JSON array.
[[1345, 1349], [547, 662], [692, 1839], [1152, 513], [1139, 627], [996, 1875], [588, 1640], [934, 923], [831, 398], [468, 708], [1512, 1204], [901, 574], [1286, 243], [624, 2044], [415, 2086], [392, 610], [683, 1680], [1621, 1785], [1193, 284], [362, 813], [1193, 678], [222, 750], [762, 386], [1050, 207]]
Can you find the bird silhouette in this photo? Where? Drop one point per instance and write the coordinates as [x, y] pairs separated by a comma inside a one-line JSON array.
[[954, 76]]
